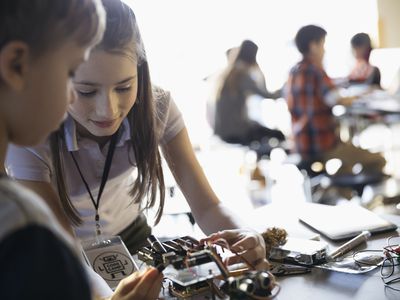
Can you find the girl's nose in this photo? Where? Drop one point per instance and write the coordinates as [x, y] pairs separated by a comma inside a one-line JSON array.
[[107, 106]]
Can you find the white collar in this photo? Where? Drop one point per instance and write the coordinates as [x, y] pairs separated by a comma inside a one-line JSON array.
[[72, 138]]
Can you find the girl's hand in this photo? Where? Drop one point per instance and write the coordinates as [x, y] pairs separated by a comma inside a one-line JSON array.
[[248, 243], [140, 285]]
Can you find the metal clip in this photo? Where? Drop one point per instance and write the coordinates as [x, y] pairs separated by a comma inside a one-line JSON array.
[[285, 269]]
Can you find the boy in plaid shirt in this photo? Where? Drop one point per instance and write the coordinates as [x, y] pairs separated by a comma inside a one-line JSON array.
[[310, 96]]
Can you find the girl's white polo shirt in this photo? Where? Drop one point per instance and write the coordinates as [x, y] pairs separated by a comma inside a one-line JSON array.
[[116, 208]]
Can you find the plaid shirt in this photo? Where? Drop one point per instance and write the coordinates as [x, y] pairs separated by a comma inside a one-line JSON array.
[[313, 124]]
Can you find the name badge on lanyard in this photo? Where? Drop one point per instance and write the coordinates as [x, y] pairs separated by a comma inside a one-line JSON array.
[[109, 258], [107, 255]]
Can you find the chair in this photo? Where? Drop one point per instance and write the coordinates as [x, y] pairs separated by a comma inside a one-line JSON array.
[[357, 182], [322, 183]]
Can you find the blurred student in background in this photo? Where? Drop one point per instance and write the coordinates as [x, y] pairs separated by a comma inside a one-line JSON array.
[[241, 79], [363, 72], [311, 95]]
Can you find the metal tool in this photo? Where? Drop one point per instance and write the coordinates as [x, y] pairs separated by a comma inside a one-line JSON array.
[[286, 269]]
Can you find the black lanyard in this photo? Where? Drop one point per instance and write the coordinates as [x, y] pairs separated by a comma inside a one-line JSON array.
[[104, 178]]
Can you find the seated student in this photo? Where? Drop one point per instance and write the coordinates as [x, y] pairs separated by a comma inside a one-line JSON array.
[[230, 55], [310, 96], [42, 42], [241, 79], [118, 110], [363, 72]]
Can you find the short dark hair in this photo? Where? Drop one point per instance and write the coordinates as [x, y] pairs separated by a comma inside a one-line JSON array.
[[361, 39], [43, 24], [306, 35]]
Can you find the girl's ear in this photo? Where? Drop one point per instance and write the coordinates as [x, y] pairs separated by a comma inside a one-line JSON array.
[[14, 60]]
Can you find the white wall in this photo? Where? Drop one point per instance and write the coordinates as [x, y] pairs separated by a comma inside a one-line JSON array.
[[186, 40], [389, 23]]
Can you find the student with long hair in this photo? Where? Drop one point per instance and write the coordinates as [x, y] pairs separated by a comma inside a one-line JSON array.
[[242, 78], [118, 123]]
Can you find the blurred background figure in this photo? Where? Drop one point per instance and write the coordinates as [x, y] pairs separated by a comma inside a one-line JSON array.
[[242, 78], [363, 72], [311, 95], [230, 55]]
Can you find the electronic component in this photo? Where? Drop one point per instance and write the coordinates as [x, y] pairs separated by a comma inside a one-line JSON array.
[[191, 267], [156, 244], [286, 269], [300, 251], [182, 253], [251, 284], [184, 292]]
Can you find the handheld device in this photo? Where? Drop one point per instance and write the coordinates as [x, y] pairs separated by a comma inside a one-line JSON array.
[[300, 251]]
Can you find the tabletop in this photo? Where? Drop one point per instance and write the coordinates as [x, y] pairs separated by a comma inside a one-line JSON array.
[[320, 283]]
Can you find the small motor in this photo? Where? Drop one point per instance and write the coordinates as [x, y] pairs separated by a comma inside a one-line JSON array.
[[250, 285]]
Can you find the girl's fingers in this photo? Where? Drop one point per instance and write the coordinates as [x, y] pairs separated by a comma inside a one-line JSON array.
[[155, 289], [149, 284], [126, 285], [248, 242]]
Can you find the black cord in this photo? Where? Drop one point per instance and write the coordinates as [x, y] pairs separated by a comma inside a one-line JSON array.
[[393, 260], [390, 260]]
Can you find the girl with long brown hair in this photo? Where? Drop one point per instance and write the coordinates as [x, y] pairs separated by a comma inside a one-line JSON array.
[[121, 120]]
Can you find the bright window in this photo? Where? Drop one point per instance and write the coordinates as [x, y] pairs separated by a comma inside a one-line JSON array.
[[186, 40]]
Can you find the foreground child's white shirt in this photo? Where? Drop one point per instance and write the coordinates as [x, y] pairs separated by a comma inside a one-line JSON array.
[[19, 208]]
